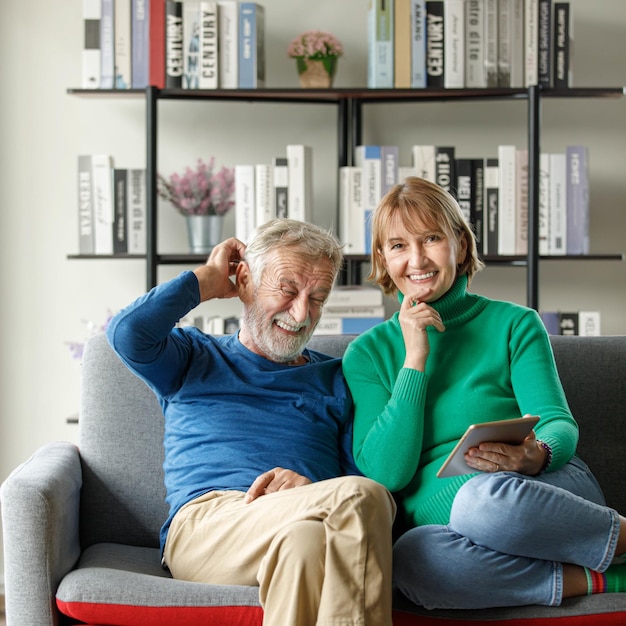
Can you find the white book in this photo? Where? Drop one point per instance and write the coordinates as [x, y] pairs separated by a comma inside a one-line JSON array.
[[122, 39], [227, 35], [191, 44], [85, 205], [137, 208], [475, 74], [558, 204], [589, 323], [423, 160], [369, 158], [507, 175], [244, 202], [209, 44], [107, 45], [351, 209], [377, 310], [300, 190], [544, 204], [380, 40], [531, 42], [102, 165], [355, 295], [264, 193], [454, 44], [521, 202], [91, 44]]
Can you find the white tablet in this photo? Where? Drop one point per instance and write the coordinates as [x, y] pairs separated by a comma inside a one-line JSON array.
[[512, 431]]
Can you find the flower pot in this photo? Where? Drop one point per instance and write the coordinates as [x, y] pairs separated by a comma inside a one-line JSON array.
[[205, 232], [317, 74]]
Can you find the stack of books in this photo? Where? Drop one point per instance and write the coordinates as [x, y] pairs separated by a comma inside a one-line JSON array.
[[351, 310]]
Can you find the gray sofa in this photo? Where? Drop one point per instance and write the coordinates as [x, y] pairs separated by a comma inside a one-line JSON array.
[[81, 523]]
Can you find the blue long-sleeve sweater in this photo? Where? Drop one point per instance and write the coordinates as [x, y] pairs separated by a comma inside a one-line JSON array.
[[230, 414]]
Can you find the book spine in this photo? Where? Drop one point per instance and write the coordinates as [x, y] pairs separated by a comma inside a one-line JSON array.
[[244, 202], [355, 311], [107, 45], [85, 206], [122, 37], [102, 176], [191, 44], [577, 158], [280, 166], [544, 204], [156, 61], [491, 42], [504, 42], [251, 46], [354, 295], [435, 43], [562, 35], [389, 162], [463, 187], [228, 37], [521, 202], [491, 206], [423, 161], [368, 157], [444, 167], [174, 61], [506, 199], [352, 210], [334, 325], [136, 217], [516, 48], [568, 323], [140, 44], [475, 76], [402, 30], [558, 204], [91, 61], [300, 190], [531, 42], [264, 191], [418, 44], [544, 56], [380, 44], [454, 44], [477, 214], [120, 208], [208, 76], [589, 323]]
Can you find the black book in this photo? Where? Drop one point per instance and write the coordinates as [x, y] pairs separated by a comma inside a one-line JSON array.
[[435, 43], [562, 48], [120, 210], [174, 49], [544, 56]]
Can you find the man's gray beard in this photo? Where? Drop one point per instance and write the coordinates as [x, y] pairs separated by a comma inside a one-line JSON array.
[[280, 349]]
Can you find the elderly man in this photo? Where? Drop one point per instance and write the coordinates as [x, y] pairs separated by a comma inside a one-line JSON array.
[[259, 473]]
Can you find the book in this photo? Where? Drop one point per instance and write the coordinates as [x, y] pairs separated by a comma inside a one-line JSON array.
[[122, 38], [174, 57], [264, 193], [137, 211], [521, 202], [568, 323], [403, 34], [444, 167], [544, 44], [208, 54], [423, 161], [589, 323], [335, 325], [251, 64], [563, 33], [192, 43], [120, 208], [577, 159], [280, 166], [300, 189], [102, 176], [244, 202], [354, 295], [435, 43], [91, 44], [550, 320], [418, 44], [369, 158], [517, 61], [454, 44], [156, 56], [490, 241], [140, 44], [558, 204], [544, 204], [477, 202], [531, 41], [507, 176], [389, 158], [463, 187], [374, 310], [380, 40], [491, 42], [85, 205], [107, 45], [475, 71], [228, 48], [505, 32], [582, 323], [351, 209]]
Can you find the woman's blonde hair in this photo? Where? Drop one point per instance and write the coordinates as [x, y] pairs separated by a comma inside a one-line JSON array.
[[419, 203]]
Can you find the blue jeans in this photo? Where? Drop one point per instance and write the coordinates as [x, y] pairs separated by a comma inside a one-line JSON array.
[[507, 537]]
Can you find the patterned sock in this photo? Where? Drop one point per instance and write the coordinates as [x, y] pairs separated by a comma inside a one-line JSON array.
[[611, 581]]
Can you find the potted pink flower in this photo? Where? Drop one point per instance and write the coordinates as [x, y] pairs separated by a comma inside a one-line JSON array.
[[316, 54]]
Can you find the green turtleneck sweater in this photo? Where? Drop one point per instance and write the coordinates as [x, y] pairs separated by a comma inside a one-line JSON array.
[[493, 362]]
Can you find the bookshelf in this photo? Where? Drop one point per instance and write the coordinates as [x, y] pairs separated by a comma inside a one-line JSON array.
[[349, 104]]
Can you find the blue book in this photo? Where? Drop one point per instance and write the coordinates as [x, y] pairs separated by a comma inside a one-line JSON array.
[[577, 202], [418, 43], [140, 43], [251, 46], [380, 35], [107, 45]]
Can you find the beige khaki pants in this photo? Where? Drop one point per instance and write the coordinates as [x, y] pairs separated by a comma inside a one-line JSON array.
[[320, 553]]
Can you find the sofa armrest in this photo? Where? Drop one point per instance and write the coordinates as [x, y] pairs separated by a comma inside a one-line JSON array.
[[40, 511]]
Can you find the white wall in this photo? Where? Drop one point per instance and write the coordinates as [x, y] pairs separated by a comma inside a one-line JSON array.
[[44, 297]]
